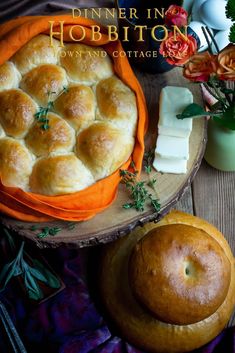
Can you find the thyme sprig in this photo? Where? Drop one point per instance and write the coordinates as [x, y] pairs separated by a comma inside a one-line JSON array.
[[42, 115], [148, 160], [51, 231], [30, 273], [46, 231], [138, 191]]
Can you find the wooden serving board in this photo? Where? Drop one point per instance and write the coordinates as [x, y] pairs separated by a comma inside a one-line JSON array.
[[115, 221]]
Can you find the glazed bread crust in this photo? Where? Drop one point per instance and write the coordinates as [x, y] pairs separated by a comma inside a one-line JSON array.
[[49, 105], [182, 265], [138, 324]]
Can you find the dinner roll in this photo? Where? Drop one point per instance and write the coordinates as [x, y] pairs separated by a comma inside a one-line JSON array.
[[86, 64], [44, 83], [58, 175], [116, 103], [36, 52], [77, 106], [15, 163], [170, 286], [9, 76], [17, 111], [59, 137], [98, 146]]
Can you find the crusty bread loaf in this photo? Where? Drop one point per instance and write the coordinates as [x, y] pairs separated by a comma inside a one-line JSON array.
[[169, 287], [50, 117]]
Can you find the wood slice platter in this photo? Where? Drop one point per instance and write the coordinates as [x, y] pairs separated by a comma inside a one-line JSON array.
[[116, 221]]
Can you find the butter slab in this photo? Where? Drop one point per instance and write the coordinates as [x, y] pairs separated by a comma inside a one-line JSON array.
[[173, 147], [173, 100], [168, 165]]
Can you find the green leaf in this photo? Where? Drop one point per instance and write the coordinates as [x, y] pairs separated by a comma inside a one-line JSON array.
[[35, 295], [230, 9], [148, 169], [5, 270], [194, 111], [53, 281], [151, 183], [38, 275], [227, 90], [31, 285], [232, 34], [127, 206], [54, 231]]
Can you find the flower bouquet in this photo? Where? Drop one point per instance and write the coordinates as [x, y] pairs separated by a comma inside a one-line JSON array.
[[217, 74]]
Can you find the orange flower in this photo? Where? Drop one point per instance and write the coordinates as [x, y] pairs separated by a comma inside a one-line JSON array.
[[176, 49], [176, 15], [226, 63], [200, 67]]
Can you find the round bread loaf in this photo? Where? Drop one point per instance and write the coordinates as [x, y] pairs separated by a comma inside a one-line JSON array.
[[169, 287], [50, 117]]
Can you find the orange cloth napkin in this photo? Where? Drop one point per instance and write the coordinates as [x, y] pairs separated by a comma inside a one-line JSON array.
[[87, 203]]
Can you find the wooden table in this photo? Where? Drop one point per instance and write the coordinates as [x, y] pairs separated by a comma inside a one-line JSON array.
[[212, 197]]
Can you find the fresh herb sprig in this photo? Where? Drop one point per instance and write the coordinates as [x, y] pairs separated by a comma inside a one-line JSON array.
[[30, 273], [138, 191], [51, 231], [42, 115], [46, 231], [148, 159]]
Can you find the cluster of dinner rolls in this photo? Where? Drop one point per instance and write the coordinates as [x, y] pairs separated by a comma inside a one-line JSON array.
[[66, 120], [169, 287]]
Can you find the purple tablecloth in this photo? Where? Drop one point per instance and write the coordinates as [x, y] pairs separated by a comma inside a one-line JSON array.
[[70, 322]]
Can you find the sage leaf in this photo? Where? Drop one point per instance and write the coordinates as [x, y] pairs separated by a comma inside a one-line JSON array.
[[53, 281], [38, 275], [195, 111]]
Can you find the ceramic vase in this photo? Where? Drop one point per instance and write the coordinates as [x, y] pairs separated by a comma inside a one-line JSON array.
[[220, 149]]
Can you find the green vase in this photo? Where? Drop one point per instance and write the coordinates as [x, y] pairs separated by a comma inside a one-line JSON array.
[[220, 148]]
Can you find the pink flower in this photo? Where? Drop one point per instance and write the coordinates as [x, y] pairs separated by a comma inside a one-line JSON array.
[[200, 67], [176, 15], [176, 49]]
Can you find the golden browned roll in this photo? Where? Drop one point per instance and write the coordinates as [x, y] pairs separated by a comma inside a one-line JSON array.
[[15, 163], [17, 111], [58, 175], [98, 146], [59, 137], [9, 76], [77, 106], [86, 64], [116, 103], [169, 287], [44, 83], [36, 52]]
